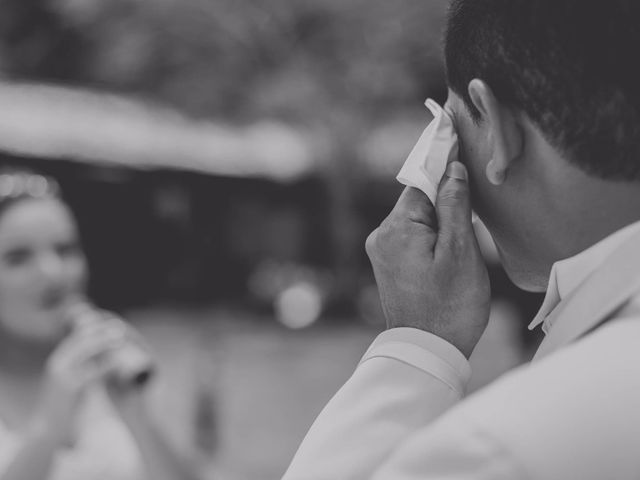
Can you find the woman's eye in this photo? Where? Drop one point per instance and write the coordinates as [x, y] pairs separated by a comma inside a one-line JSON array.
[[68, 249], [17, 257]]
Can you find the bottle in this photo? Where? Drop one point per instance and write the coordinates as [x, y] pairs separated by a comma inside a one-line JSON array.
[[134, 365]]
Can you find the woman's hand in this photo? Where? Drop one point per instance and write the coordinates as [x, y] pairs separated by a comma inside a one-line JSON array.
[[131, 360], [160, 457], [82, 359]]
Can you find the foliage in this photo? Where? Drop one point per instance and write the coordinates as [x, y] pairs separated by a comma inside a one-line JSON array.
[[303, 60]]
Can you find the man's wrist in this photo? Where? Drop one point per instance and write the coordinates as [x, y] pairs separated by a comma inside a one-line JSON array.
[[462, 345]]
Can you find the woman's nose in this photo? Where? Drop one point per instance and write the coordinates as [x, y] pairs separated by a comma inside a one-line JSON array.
[[51, 265]]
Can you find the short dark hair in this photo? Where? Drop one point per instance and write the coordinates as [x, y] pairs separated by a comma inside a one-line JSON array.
[[570, 65]]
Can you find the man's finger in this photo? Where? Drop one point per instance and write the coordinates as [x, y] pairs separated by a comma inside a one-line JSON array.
[[453, 204], [414, 205]]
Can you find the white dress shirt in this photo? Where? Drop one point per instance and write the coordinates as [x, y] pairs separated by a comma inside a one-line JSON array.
[[574, 413], [567, 275]]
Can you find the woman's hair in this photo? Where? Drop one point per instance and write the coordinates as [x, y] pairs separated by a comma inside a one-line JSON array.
[[17, 184]]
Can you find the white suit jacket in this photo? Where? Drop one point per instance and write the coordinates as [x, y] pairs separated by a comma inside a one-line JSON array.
[[572, 414]]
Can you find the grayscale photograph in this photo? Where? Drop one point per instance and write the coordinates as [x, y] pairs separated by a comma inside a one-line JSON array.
[[319, 240]]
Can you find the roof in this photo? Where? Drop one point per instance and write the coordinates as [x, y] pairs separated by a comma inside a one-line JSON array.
[[57, 122]]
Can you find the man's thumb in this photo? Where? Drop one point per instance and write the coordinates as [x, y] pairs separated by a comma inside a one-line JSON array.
[[453, 205]]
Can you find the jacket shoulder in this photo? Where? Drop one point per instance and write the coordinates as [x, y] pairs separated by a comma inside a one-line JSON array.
[[573, 414]]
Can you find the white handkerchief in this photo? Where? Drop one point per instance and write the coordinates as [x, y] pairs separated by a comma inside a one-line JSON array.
[[427, 162]]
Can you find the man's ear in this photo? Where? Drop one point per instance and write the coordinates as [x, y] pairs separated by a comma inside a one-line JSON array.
[[504, 134]]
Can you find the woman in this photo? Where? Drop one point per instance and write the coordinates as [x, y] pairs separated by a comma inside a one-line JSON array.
[[65, 412]]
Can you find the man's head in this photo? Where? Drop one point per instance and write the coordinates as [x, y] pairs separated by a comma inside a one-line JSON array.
[[546, 96]]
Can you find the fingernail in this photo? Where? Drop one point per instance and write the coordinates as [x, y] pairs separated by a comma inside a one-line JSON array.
[[457, 170]]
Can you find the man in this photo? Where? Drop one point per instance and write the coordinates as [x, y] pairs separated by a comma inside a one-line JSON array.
[[546, 98]]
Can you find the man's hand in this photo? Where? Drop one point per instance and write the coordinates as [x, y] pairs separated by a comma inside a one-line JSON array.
[[428, 266]]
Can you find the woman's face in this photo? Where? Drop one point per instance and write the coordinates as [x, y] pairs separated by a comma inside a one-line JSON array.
[[42, 268]]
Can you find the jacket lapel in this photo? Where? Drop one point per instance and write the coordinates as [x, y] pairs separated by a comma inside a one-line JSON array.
[[604, 292]]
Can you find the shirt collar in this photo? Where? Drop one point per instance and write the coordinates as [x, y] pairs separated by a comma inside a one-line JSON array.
[[568, 274]]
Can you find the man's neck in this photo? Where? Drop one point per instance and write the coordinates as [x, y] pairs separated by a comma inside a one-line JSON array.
[[592, 211]]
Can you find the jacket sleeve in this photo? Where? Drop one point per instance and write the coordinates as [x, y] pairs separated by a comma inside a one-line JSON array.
[[572, 414], [452, 448], [405, 380]]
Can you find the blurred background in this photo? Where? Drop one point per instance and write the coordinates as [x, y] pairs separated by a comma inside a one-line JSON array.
[[226, 161]]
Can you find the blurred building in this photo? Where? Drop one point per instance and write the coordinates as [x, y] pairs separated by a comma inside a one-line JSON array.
[[170, 209]]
